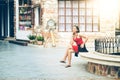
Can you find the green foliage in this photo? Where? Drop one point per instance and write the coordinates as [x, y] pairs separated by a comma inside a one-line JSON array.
[[40, 38], [32, 37]]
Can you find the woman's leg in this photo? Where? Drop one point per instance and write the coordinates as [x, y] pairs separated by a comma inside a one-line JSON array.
[[66, 53], [69, 57]]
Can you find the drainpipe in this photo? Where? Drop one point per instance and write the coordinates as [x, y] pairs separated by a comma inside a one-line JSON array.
[[8, 20], [2, 22]]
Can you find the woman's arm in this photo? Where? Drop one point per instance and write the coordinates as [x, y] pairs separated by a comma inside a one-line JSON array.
[[85, 39], [71, 41]]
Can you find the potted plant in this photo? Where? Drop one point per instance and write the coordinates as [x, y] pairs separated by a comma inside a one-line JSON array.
[[32, 38], [40, 40]]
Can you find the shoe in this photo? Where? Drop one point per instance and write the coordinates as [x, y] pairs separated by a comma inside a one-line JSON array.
[[62, 61], [76, 54], [67, 66]]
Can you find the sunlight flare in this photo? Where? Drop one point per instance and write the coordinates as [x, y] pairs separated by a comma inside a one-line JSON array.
[[108, 8]]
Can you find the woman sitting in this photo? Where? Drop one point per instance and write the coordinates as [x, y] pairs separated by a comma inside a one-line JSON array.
[[76, 45]]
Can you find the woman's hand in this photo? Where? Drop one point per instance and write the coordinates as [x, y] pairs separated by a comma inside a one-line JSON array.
[[82, 45]]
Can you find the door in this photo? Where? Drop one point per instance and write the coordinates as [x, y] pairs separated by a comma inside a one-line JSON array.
[[3, 19], [6, 18]]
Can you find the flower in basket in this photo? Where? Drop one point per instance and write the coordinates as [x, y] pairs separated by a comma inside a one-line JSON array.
[[40, 40]]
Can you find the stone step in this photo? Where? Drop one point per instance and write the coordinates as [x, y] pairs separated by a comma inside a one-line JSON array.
[[18, 42], [9, 38], [2, 38]]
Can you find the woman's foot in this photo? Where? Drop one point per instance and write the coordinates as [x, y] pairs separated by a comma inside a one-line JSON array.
[[62, 61], [67, 66]]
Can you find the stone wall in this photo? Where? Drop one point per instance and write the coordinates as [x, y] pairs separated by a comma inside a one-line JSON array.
[[104, 70], [49, 11]]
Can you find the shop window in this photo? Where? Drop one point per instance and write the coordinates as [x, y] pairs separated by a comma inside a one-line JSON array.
[[26, 19]]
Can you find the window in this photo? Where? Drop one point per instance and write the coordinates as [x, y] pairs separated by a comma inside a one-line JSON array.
[[80, 12]]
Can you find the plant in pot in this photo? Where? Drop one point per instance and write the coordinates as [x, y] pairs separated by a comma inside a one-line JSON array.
[[32, 38], [40, 40]]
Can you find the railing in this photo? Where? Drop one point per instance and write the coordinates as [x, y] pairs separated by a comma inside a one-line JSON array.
[[110, 45]]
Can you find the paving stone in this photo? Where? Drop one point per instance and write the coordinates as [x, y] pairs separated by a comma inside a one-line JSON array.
[[34, 62]]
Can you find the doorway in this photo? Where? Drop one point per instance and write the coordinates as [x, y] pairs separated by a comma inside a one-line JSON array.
[[6, 18]]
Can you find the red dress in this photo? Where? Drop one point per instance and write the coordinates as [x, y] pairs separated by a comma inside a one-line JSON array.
[[78, 41], [75, 48]]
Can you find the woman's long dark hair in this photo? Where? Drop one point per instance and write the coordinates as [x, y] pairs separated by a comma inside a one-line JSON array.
[[77, 30]]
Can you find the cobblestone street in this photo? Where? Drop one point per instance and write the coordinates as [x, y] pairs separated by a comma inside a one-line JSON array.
[[38, 63]]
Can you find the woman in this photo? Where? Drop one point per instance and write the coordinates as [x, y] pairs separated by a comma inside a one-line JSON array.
[[76, 45]]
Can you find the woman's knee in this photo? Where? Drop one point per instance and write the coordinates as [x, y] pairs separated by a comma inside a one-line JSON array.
[[70, 51]]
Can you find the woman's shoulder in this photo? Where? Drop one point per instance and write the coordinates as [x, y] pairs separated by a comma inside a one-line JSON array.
[[82, 35], [79, 34]]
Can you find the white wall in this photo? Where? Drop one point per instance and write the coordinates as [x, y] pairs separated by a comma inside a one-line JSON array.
[[22, 35]]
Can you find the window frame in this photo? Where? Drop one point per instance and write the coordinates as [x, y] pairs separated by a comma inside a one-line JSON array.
[[78, 15]]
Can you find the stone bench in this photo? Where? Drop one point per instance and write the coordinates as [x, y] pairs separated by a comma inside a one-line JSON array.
[[19, 42], [102, 64], [95, 57]]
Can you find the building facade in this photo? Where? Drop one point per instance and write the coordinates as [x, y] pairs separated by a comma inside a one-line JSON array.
[[95, 18]]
